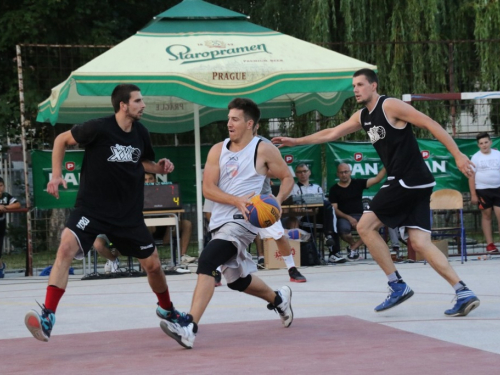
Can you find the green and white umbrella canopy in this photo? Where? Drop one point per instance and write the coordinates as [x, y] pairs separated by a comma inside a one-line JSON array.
[[191, 61], [199, 53]]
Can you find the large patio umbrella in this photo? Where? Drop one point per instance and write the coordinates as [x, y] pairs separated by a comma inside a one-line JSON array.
[[191, 60]]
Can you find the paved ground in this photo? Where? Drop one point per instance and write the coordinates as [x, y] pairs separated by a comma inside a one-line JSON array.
[[107, 322]]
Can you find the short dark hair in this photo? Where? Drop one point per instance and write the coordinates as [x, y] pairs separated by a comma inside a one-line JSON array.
[[370, 75], [482, 135], [250, 109], [302, 165], [1, 181], [121, 93]]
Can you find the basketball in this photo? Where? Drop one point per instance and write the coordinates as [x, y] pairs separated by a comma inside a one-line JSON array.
[[264, 211]]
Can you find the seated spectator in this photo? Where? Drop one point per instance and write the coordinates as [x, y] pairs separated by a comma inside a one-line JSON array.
[[163, 233], [7, 202], [325, 215], [346, 197]]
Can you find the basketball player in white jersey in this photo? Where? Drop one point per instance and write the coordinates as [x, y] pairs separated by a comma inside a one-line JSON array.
[[235, 171], [403, 201]]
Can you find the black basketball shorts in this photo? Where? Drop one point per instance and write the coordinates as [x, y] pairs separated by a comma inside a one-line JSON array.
[[488, 198], [398, 206], [129, 241]]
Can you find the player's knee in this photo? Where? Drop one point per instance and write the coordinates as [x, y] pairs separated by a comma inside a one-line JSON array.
[[205, 264], [152, 266], [241, 284], [420, 244]]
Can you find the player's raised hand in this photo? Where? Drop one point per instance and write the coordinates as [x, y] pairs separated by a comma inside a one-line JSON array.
[[53, 185]]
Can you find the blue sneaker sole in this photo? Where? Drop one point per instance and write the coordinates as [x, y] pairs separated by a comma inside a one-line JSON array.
[[471, 305], [400, 301]]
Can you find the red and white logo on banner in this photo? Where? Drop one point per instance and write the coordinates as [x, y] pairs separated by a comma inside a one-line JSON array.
[[70, 166], [288, 159], [426, 154], [358, 156]]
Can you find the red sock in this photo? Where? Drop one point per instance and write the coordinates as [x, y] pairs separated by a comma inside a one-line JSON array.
[[52, 297], [164, 300]]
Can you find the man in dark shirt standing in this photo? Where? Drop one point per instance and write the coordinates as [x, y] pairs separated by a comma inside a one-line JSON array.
[[346, 197], [118, 151]]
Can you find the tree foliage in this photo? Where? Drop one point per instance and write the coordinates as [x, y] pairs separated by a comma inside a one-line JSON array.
[[419, 46]]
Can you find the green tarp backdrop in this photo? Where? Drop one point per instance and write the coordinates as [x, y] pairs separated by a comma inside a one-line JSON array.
[[360, 156]]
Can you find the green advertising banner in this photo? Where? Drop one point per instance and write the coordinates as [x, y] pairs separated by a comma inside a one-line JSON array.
[[365, 163], [41, 162], [308, 154], [361, 156], [183, 158]]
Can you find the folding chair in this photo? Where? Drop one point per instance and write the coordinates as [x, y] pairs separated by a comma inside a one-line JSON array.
[[448, 201]]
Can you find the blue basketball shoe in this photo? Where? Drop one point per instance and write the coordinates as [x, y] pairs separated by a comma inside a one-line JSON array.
[[40, 326], [399, 292], [466, 302], [173, 315]]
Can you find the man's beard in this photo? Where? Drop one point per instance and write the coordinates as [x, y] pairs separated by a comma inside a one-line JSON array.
[[136, 117]]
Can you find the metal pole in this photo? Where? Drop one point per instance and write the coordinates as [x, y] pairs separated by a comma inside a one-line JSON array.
[[29, 250], [199, 195], [452, 109]]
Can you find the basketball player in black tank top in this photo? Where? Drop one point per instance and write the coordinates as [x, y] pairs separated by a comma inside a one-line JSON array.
[[387, 123]]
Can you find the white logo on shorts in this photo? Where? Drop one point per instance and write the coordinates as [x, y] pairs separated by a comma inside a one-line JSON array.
[[146, 247], [83, 223], [124, 154]]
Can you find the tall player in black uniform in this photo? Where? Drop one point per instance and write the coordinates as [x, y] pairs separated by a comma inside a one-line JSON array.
[[404, 200], [118, 151]]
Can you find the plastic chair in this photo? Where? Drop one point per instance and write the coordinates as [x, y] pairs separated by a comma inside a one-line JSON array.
[[449, 200]]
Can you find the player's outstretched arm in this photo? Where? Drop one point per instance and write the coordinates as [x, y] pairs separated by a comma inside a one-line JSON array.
[[323, 136], [396, 109], [61, 142]]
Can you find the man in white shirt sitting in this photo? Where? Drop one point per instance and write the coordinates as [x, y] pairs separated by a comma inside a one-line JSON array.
[[325, 215]]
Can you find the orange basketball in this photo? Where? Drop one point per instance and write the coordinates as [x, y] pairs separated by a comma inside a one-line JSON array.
[[264, 211]]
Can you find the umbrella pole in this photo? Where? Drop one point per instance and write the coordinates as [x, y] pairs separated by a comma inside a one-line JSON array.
[[29, 248], [197, 148]]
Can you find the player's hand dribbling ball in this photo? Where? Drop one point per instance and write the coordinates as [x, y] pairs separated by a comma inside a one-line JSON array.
[[264, 211]]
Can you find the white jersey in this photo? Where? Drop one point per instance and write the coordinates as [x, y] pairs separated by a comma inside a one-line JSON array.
[[309, 189], [487, 169], [238, 177]]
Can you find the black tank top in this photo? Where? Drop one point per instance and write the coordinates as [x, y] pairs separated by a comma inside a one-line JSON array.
[[397, 147]]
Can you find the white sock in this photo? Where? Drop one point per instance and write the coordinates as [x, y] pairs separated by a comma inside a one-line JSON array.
[[261, 256], [289, 261]]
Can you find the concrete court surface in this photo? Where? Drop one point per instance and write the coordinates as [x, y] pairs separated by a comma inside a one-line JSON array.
[[110, 326]]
